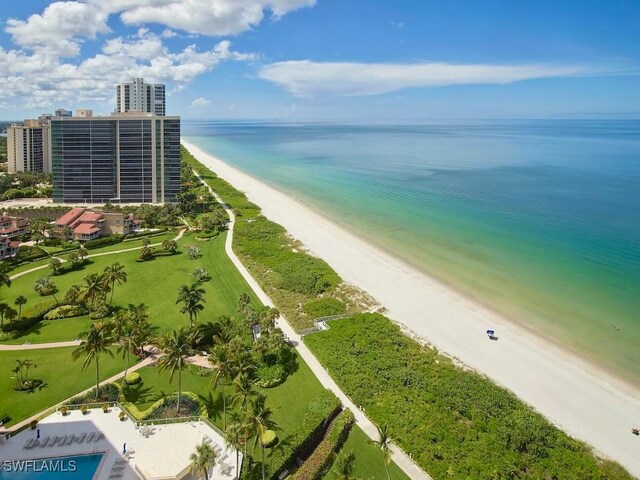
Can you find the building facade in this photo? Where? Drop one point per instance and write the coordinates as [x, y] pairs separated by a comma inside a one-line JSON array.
[[123, 158], [84, 225], [140, 97], [28, 147]]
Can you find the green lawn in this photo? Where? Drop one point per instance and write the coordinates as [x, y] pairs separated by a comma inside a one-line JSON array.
[[154, 283], [369, 459], [64, 378], [288, 401]]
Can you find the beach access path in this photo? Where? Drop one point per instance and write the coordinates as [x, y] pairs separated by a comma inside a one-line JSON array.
[[586, 402], [400, 458]]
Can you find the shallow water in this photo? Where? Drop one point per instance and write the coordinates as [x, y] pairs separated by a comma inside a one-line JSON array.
[[538, 219]]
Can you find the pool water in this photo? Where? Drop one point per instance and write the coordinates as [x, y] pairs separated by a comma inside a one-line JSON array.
[[75, 467]]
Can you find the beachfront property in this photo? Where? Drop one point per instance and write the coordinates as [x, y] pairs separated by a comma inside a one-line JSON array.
[[130, 157], [99, 445], [8, 248], [83, 224], [12, 227], [28, 147], [139, 96]]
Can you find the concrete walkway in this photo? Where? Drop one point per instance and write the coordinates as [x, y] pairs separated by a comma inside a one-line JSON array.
[[401, 459], [39, 346]]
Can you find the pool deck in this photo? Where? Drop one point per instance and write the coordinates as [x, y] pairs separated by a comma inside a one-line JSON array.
[[115, 464]]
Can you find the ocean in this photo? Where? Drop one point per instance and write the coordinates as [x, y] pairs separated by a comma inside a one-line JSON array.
[[539, 220]]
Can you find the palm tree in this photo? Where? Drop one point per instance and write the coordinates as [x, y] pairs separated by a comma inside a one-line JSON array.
[[123, 335], [221, 365], [10, 314], [46, 287], [344, 466], [54, 265], [236, 435], [227, 330], [384, 443], [20, 301], [242, 363], [244, 391], [191, 297], [143, 330], [3, 311], [176, 346], [5, 280], [96, 342], [259, 417], [203, 459], [93, 288], [112, 275], [170, 246]]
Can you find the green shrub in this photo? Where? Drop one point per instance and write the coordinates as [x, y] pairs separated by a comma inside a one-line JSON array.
[[319, 410], [66, 311], [269, 438], [132, 378], [108, 393], [321, 459], [103, 241], [323, 307], [31, 316], [451, 419], [269, 376]]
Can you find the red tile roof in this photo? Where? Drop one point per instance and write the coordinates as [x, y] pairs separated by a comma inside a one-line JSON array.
[[14, 244], [85, 228], [69, 217], [90, 217]]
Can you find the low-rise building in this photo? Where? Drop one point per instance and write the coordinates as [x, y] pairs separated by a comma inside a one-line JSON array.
[[8, 247], [12, 227], [83, 225]]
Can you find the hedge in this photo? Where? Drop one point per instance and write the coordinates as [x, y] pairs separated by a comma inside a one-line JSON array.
[[32, 315], [319, 411], [103, 242], [66, 311], [322, 458], [140, 415], [269, 376], [132, 378]]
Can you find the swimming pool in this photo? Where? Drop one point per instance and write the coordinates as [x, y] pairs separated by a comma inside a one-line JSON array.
[[74, 467]]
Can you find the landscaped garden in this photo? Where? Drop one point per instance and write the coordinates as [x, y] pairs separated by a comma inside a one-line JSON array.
[[185, 297]]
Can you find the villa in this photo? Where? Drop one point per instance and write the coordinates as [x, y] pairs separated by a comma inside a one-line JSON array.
[[8, 248], [13, 226], [83, 225]]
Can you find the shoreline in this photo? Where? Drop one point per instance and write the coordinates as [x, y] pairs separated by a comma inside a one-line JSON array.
[[586, 401]]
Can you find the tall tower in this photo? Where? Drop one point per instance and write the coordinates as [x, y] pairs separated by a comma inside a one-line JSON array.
[[140, 97]]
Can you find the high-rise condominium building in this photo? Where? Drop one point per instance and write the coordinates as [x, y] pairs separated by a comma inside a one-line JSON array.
[[28, 147], [125, 157], [141, 97]]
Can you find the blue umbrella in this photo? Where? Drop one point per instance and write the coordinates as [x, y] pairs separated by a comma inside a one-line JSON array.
[[490, 332]]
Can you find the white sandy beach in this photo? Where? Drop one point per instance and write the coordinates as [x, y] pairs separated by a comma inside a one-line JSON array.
[[583, 400]]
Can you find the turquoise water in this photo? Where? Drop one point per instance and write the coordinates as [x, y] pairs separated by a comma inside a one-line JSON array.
[[539, 220], [76, 467]]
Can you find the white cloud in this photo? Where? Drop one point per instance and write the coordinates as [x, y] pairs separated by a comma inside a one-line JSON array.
[[207, 17], [60, 28], [307, 79], [200, 102]]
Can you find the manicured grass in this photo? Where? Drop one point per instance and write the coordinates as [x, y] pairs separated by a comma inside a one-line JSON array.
[[64, 378], [288, 401], [154, 283], [369, 459]]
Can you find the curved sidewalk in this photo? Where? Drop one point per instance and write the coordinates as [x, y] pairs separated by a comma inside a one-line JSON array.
[[401, 459], [39, 346]]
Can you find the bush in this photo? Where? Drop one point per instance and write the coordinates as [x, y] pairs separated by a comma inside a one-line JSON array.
[[103, 241], [453, 420], [323, 307], [268, 439], [109, 393], [31, 316], [270, 376], [122, 416], [320, 410], [66, 311], [29, 254], [321, 459], [132, 378]]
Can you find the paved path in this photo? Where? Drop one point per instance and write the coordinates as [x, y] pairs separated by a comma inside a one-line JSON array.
[[39, 346], [398, 455], [62, 260]]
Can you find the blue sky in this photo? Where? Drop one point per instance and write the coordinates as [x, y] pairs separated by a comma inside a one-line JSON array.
[[365, 60]]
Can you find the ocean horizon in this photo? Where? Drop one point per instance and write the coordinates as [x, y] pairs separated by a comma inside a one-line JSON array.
[[536, 219]]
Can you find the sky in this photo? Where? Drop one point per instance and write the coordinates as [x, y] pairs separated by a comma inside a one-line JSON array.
[[327, 60]]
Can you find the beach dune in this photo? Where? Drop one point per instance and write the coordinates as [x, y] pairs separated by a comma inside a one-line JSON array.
[[586, 402]]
